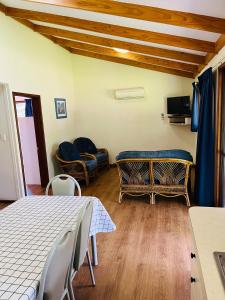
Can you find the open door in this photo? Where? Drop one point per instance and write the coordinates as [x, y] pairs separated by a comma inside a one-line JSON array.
[[31, 138]]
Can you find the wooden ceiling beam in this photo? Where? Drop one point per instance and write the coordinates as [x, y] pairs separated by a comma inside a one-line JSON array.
[[130, 55], [115, 30], [2, 8], [132, 63], [27, 23], [178, 55], [147, 13]]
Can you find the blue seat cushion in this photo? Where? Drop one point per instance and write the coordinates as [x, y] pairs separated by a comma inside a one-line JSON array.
[[174, 153], [91, 164], [85, 145], [101, 156], [68, 151]]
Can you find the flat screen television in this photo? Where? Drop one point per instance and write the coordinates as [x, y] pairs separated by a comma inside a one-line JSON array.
[[179, 106]]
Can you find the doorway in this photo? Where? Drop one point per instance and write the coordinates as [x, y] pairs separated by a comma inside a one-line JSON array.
[[31, 139], [220, 137]]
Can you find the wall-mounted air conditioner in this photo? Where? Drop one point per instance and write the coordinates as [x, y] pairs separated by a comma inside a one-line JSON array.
[[131, 93]]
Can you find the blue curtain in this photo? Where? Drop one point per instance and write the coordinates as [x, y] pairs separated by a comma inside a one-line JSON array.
[[195, 108], [204, 191], [28, 108]]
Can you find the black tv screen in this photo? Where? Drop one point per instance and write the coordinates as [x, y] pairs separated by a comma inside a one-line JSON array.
[[178, 105]]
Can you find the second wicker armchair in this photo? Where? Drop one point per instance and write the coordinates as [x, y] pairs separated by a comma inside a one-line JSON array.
[[79, 166], [86, 146]]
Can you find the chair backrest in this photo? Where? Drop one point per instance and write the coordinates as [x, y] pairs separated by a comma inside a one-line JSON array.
[[54, 278], [170, 172], [68, 151], [151, 171], [134, 171], [84, 144], [83, 237], [62, 186]]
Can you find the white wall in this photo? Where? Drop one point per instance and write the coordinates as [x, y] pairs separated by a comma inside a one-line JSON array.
[[127, 124], [32, 64]]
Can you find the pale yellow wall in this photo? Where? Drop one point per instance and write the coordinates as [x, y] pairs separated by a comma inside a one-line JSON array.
[[127, 124], [32, 64]]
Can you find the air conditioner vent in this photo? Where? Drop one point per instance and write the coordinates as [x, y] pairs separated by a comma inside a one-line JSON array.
[[131, 93]]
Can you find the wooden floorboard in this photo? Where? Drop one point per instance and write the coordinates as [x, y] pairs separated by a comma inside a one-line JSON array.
[[35, 189], [147, 257], [4, 204]]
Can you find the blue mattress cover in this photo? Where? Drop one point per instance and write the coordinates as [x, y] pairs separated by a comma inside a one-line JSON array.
[[173, 153]]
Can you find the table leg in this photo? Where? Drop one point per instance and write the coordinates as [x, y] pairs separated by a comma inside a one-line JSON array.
[[94, 250]]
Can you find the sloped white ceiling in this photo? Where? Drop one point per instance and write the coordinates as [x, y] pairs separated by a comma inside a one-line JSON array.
[[214, 8], [206, 7], [139, 24]]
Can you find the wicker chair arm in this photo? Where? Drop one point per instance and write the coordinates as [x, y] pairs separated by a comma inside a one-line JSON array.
[[87, 156], [74, 163], [71, 162]]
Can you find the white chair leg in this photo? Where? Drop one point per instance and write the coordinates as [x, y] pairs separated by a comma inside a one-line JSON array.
[[90, 268], [68, 296], [70, 291]]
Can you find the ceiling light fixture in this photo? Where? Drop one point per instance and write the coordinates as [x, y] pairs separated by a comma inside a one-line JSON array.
[[120, 50]]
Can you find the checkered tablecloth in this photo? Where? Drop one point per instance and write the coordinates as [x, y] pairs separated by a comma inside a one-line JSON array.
[[101, 221], [28, 229]]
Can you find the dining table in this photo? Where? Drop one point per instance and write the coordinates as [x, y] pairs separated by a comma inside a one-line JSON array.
[[28, 229]]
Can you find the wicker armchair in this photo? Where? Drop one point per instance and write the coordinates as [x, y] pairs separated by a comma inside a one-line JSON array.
[[83, 168], [144, 174], [87, 147]]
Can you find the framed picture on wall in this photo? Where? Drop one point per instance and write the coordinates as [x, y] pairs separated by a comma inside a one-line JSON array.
[[60, 108]]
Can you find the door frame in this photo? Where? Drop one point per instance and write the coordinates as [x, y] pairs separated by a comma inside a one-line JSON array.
[[218, 137], [40, 136]]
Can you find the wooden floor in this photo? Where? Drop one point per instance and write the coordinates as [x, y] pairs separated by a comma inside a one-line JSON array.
[[147, 257], [35, 189]]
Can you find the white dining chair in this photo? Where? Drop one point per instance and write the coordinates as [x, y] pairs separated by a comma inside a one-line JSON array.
[[81, 249], [63, 185], [56, 271]]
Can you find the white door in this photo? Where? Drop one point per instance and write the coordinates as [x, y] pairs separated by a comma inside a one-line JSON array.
[[11, 179]]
